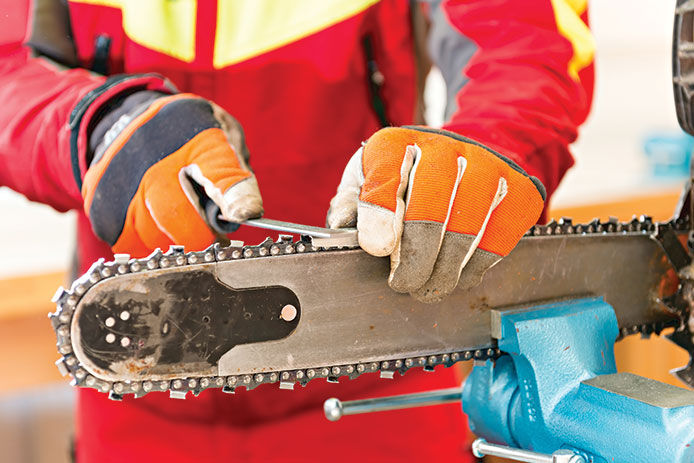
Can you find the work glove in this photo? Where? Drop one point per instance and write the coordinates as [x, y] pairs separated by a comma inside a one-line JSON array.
[[157, 160], [443, 207]]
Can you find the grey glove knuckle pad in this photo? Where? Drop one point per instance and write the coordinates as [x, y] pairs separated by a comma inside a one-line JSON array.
[[446, 275], [418, 250], [478, 264]]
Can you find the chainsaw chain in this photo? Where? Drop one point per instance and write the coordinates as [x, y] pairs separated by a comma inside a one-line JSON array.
[[67, 299]]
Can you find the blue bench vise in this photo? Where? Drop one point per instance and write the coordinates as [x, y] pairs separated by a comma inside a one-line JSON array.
[[558, 388], [554, 395]]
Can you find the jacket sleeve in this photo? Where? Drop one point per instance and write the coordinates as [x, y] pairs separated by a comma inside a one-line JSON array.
[[46, 113], [37, 99], [530, 81]]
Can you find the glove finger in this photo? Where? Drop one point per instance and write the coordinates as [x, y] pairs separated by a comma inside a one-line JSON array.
[[387, 160], [426, 218], [129, 241], [460, 255], [213, 164], [480, 233], [147, 226], [343, 207], [483, 189], [516, 207], [163, 214], [514, 214], [518, 211]]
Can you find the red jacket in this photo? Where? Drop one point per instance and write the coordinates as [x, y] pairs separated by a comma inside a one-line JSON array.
[[308, 86]]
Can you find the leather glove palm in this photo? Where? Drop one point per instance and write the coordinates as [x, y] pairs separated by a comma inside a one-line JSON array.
[[443, 207], [154, 158]]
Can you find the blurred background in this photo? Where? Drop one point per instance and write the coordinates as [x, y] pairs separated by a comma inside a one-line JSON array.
[[631, 158]]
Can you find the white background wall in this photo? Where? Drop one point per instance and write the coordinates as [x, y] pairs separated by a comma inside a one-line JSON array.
[[34, 238], [633, 96]]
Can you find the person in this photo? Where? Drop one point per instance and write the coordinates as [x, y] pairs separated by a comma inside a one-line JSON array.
[[306, 82]]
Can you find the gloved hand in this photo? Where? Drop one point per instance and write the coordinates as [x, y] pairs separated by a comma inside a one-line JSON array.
[[155, 156], [443, 207]]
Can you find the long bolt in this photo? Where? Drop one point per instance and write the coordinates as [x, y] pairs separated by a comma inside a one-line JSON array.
[[335, 409], [481, 447]]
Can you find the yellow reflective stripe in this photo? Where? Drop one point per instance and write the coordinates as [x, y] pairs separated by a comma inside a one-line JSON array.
[[579, 6], [162, 25], [111, 3], [165, 26], [252, 27], [567, 14]]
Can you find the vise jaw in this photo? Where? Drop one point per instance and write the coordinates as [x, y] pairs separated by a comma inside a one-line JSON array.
[[557, 387]]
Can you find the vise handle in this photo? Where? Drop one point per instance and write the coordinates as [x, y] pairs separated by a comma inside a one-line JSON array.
[[481, 447]]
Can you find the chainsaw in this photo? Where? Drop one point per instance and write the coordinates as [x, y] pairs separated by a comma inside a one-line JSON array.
[[293, 310]]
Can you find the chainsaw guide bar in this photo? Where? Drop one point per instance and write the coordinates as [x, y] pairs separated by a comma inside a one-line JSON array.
[[291, 311]]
